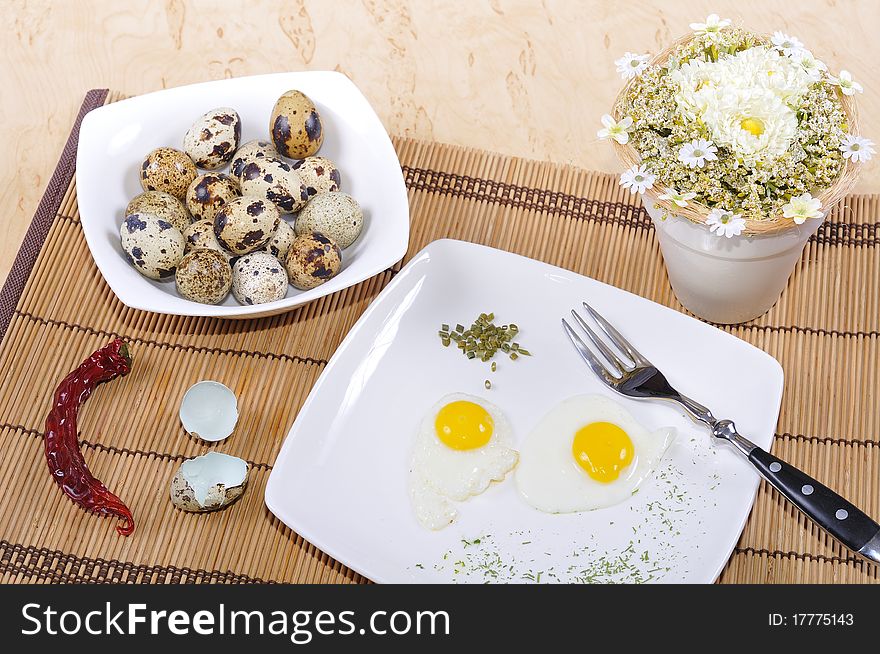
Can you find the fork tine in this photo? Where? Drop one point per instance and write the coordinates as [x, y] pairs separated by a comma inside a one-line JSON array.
[[616, 338], [616, 362], [587, 355]]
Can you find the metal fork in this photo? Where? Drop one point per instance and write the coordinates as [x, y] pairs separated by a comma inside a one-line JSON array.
[[629, 373]]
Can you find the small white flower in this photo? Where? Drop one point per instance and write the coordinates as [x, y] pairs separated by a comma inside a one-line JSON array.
[[848, 86], [712, 26], [788, 45], [857, 148], [680, 199], [615, 130], [637, 179], [801, 208], [631, 64], [725, 223], [696, 153], [812, 66]]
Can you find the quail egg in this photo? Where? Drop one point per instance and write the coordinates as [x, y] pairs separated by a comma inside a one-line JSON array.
[[201, 235], [208, 193], [279, 244], [213, 139], [274, 180], [204, 276], [295, 125], [337, 215], [162, 205], [258, 277], [250, 151], [246, 224], [168, 170], [209, 482], [319, 174], [312, 260], [153, 245]]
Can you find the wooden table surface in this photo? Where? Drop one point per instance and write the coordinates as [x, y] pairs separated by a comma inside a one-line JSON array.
[[523, 77]]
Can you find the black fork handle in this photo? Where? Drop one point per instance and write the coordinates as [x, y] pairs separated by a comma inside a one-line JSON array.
[[839, 517]]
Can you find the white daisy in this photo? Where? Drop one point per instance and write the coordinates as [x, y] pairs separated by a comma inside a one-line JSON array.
[[801, 208], [680, 199], [712, 26], [848, 86], [725, 223], [631, 64], [790, 46], [812, 66], [615, 130], [696, 153], [637, 179], [857, 148]]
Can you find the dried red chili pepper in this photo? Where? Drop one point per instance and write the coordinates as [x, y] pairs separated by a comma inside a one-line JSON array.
[[63, 455]]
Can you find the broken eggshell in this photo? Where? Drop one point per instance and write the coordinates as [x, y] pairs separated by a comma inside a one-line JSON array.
[[209, 482], [209, 411]]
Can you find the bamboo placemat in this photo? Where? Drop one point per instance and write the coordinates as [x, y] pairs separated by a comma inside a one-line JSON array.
[[58, 309]]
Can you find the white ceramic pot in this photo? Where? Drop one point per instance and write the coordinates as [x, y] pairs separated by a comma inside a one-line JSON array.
[[727, 280]]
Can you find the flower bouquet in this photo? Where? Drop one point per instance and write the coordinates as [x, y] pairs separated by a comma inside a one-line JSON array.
[[741, 144]]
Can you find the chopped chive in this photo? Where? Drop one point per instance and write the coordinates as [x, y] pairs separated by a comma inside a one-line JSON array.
[[494, 366], [488, 384], [513, 356]]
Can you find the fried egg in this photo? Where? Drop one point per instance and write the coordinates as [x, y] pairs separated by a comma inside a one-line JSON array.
[[587, 453], [462, 445]]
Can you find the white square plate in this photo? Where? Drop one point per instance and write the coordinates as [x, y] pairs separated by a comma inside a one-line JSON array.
[[340, 479], [115, 138]]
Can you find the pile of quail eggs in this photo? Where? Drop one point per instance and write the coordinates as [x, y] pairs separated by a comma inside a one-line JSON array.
[[277, 217]]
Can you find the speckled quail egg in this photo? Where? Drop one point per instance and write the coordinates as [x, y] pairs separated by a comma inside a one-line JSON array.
[[312, 260], [213, 139], [246, 224], [319, 174], [250, 151], [204, 276], [168, 170], [258, 277], [295, 125], [209, 482], [201, 235], [337, 215], [208, 193], [279, 244], [162, 205], [274, 180], [153, 245]]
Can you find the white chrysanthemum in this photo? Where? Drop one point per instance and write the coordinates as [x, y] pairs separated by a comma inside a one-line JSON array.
[[631, 64], [637, 179], [857, 148], [747, 101], [725, 223], [695, 154]]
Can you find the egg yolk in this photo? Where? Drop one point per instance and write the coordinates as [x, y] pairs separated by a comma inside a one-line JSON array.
[[602, 449], [464, 425]]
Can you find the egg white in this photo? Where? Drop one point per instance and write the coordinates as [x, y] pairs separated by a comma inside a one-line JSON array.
[[440, 475], [549, 478]]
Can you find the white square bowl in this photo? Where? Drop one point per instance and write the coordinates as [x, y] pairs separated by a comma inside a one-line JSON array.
[[340, 480], [115, 138]]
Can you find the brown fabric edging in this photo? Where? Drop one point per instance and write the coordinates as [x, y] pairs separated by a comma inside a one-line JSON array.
[[16, 558], [45, 215]]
